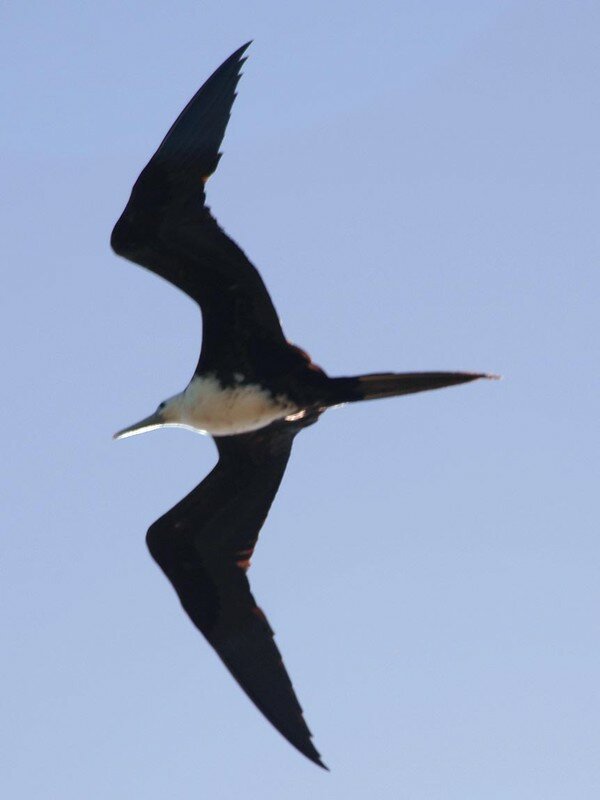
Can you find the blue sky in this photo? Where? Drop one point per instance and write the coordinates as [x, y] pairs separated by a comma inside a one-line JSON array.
[[418, 184]]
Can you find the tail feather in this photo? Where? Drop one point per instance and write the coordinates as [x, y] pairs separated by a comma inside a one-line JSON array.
[[392, 384]]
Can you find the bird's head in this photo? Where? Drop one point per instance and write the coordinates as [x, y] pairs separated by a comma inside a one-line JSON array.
[[167, 413]]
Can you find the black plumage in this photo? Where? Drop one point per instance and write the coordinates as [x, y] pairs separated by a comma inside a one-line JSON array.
[[168, 228], [204, 544]]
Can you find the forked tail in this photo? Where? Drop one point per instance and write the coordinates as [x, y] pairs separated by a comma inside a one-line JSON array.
[[391, 384]]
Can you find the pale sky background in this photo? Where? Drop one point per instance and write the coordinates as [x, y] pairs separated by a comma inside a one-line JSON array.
[[418, 184]]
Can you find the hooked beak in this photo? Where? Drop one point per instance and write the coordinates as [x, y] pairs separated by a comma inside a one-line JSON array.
[[151, 423]]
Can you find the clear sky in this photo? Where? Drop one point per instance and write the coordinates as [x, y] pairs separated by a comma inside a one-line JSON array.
[[418, 184]]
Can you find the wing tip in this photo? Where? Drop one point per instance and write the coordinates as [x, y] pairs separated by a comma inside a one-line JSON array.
[[303, 745], [241, 50], [195, 138], [316, 759]]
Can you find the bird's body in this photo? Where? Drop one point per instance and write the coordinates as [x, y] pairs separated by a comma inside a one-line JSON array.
[[252, 391], [209, 407]]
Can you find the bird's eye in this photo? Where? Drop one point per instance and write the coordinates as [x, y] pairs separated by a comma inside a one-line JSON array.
[[162, 405]]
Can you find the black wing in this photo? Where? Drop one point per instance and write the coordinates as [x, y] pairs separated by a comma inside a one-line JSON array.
[[204, 545], [167, 227]]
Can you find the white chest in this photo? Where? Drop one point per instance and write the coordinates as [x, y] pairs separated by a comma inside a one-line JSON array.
[[208, 407]]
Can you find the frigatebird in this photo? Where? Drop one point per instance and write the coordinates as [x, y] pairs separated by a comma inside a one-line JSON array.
[[252, 391]]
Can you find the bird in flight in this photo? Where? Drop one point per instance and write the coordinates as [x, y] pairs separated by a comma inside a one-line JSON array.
[[252, 391]]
